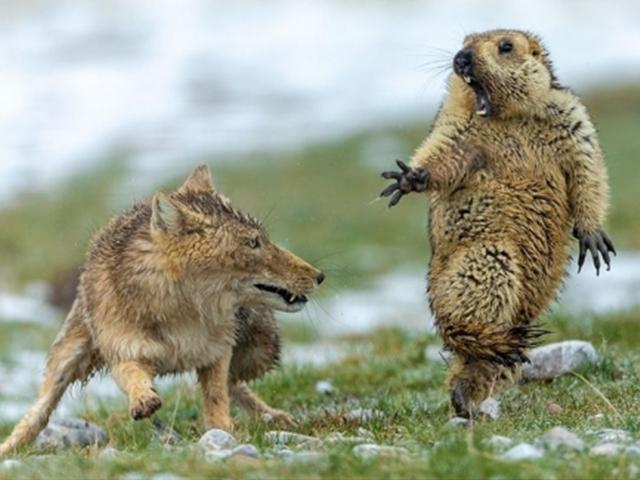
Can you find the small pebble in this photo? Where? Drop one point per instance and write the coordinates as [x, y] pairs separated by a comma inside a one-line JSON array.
[[560, 437], [110, 453], [554, 408], [523, 451], [457, 422], [363, 414], [606, 449], [166, 476], [324, 387], [281, 437], [490, 408], [216, 439], [368, 451], [499, 441]]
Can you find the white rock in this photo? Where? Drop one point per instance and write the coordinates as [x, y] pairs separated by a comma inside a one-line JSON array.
[[368, 451], [110, 453], [499, 441], [523, 451], [490, 407], [435, 354], [9, 464], [606, 449], [457, 422], [555, 359], [337, 437], [246, 450], [560, 437], [70, 432], [612, 435], [166, 476], [363, 414], [216, 439], [281, 437], [325, 387]]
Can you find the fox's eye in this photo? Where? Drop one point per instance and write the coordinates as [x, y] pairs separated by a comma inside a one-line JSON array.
[[254, 242], [505, 46]]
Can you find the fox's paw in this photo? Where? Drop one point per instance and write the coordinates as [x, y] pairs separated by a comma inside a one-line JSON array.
[[145, 405], [407, 180], [278, 417], [598, 243]]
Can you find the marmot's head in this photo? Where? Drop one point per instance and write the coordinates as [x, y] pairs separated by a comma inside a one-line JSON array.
[[502, 73]]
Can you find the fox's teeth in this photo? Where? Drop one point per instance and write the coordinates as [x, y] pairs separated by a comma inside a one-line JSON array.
[[466, 78]]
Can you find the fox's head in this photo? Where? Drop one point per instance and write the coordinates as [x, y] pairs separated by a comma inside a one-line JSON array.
[[205, 240]]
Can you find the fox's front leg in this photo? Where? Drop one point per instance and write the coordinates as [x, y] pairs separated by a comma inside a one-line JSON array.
[[214, 381], [136, 380]]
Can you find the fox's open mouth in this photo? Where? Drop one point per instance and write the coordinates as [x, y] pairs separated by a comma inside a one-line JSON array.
[[289, 297], [484, 107]]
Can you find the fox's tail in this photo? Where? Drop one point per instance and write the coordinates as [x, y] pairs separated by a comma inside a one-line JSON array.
[[70, 359]]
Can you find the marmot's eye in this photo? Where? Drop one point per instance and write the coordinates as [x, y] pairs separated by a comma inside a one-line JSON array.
[[505, 46], [254, 242]]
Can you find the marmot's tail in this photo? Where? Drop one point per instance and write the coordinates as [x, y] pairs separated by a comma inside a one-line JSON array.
[[70, 359]]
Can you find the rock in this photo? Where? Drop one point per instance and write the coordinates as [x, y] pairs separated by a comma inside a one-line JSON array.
[[633, 450], [369, 451], [457, 422], [166, 476], [246, 450], [523, 451], [555, 359], [325, 387], [290, 456], [597, 418], [109, 453], [499, 442], [164, 434], [70, 432], [337, 437], [281, 437], [612, 435], [554, 408], [633, 470], [436, 354], [606, 449], [363, 432], [560, 437], [133, 476], [217, 440], [363, 414], [10, 464], [490, 408]]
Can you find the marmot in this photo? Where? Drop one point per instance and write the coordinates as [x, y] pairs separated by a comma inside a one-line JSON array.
[[512, 166]]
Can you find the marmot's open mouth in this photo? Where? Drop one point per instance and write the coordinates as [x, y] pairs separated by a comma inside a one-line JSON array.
[[287, 296], [484, 107]]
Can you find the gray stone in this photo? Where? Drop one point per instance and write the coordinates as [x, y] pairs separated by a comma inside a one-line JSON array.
[[337, 437], [369, 451], [70, 432], [325, 387], [165, 434], [217, 440], [560, 437], [633, 450], [363, 432], [282, 437], [133, 476], [523, 451], [606, 449], [246, 450], [363, 414], [10, 464], [490, 407], [110, 453], [612, 435], [436, 354], [556, 359], [166, 476], [217, 455], [290, 456], [499, 442], [457, 422]]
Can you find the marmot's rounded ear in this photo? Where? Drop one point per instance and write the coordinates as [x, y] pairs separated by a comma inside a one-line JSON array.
[[199, 180], [165, 215]]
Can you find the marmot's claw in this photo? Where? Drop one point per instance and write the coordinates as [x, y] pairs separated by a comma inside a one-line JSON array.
[[597, 243], [406, 180]]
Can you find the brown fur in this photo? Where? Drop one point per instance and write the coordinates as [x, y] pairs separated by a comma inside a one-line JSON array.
[[505, 193], [169, 286]]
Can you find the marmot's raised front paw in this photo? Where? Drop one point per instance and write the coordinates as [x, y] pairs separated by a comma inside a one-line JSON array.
[[407, 180], [598, 243]]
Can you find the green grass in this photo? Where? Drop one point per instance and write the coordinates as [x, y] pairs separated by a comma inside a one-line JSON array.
[[394, 378]]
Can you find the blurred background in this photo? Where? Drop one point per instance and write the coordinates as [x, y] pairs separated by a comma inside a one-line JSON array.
[[296, 107]]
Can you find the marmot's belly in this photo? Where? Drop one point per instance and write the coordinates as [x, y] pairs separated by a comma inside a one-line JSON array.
[[528, 218]]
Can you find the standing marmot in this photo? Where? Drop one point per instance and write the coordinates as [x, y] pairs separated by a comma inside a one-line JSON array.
[[511, 167]]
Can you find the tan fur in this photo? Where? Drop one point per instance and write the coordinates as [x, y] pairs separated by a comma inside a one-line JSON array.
[[505, 193], [169, 286]]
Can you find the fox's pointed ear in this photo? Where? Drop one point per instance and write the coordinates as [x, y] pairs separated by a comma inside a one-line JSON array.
[[199, 180], [165, 215]]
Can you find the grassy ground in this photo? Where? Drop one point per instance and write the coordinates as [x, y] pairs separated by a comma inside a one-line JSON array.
[[394, 378]]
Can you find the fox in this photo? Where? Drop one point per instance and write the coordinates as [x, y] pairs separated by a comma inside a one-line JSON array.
[[179, 282]]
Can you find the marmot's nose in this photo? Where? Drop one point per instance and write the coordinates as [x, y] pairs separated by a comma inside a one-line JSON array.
[[463, 61]]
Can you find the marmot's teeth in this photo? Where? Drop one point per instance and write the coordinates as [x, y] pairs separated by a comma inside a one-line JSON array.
[[292, 298], [466, 78], [482, 112]]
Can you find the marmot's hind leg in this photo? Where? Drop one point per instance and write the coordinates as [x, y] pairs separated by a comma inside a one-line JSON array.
[[475, 298], [257, 350]]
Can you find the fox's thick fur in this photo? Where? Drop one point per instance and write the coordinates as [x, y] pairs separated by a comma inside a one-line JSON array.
[[505, 191], [176, 283]]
